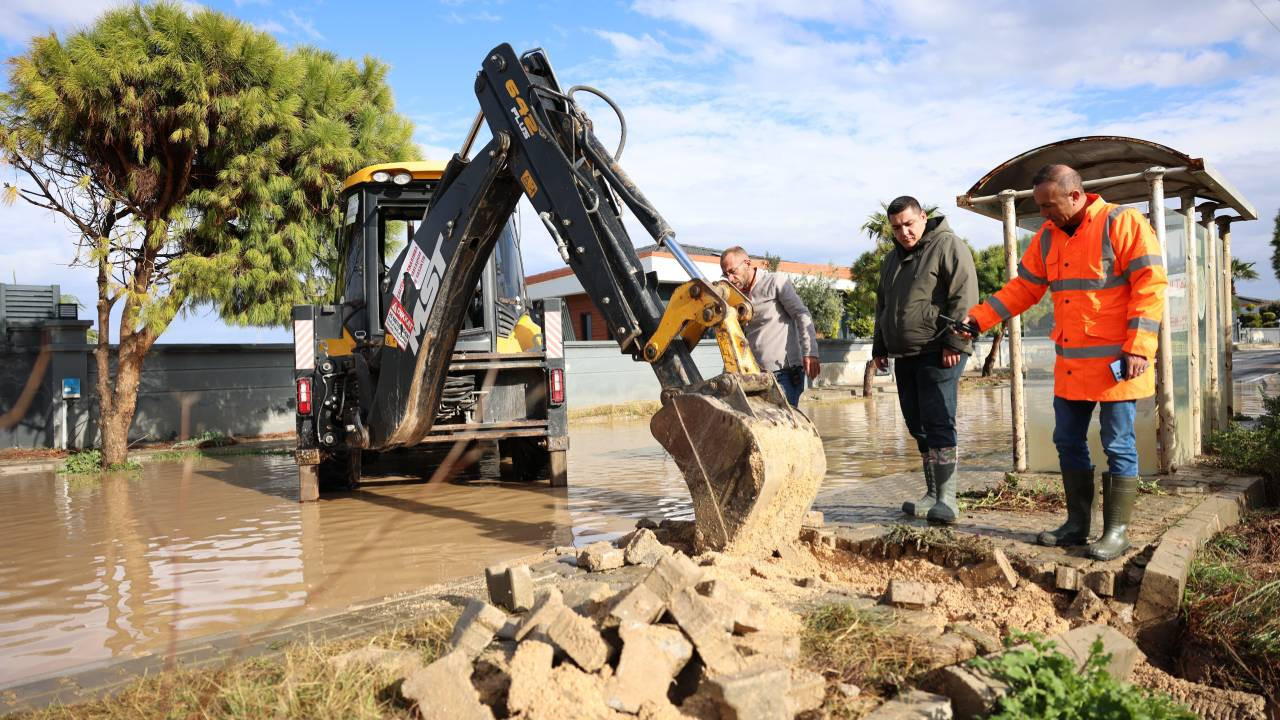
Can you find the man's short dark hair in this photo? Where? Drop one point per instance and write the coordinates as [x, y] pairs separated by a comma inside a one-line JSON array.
[[1066, 177], [903, 203]]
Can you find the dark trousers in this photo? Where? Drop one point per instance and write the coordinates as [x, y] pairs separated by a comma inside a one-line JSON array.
[[927, 396]]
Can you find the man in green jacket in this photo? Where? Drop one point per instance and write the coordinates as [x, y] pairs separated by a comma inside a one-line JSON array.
[[928, 274]]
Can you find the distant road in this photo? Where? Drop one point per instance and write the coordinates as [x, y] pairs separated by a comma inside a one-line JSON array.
[[1254, 365]]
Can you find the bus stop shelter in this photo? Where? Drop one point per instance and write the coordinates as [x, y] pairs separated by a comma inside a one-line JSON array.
[[1194, 394]]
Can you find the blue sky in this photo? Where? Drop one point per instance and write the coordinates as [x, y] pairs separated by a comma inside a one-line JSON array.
[[780, 125]]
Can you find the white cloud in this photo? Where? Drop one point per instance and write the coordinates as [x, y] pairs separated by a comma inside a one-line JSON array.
[[20, 20], [793, 121], [303, 26]]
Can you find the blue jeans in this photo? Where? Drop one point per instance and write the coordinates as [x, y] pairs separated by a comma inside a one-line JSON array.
[[791, 380], [927, 396], [1071, 425]]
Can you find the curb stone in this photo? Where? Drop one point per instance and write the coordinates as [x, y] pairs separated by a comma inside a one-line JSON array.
[[1165, 577]]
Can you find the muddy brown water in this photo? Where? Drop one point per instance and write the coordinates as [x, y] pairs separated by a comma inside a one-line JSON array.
[[94, 568]]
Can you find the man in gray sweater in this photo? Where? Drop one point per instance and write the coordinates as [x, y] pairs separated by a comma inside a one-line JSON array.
[[929, 273], [781, 331]]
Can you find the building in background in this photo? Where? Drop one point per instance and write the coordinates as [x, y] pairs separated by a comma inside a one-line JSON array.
[[588, 322]]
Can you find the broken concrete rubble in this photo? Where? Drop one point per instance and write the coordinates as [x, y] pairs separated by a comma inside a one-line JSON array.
[[600, 556], [510, 588], [995, 568], [475, 629], [443, 690], [643, 548], [758, 694], [545, 608], [651, 657], [910, 594], [577, 637]]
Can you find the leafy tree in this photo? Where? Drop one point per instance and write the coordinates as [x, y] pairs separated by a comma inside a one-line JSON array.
[[771, 262], [199, 162], [824, 303]]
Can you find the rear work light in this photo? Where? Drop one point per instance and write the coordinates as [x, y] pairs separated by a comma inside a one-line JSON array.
[[304, 396], [557, 386]]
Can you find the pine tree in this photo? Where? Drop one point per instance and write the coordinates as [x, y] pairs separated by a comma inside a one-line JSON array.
[[198, 160]]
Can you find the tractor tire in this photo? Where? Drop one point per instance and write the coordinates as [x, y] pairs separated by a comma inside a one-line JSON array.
[[523, 459], [340, 471]]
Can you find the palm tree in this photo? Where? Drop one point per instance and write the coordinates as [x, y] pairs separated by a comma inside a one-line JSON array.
[[1241, 270], [878, 229]]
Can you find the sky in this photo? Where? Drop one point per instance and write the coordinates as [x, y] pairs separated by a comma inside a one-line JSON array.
[[781, 125]]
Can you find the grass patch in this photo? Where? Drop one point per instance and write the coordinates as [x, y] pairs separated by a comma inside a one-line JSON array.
[[1231, 607], [941, 544], [181, 455], [848, 645], [1044, 683], [298, 683], [1017, 494], [620, 411], [89, 462]]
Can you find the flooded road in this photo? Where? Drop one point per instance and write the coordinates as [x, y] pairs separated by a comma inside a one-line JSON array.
[[92, 568]]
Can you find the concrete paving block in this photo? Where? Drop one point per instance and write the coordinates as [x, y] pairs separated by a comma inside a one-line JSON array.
[[757, 694], [747, 617], [972, 694], [1124, 653], [443, 690], [600, 556], [984, 642], [476, 628], [809, 535], [645, 523], [530, 674], [992, 570], [913, 705], [644, 549], [949, 649], [706, 629], [812, 518], [510, 588], [910, 594], [1066, 578], [545, 607], [672, 574], [1088, 607], [577, 637], [770, 645], [1101, 582], [808, 690], [651, 657], [638, 605]]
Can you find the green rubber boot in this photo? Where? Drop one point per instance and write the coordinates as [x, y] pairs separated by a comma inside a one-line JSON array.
[[945, 510], [1117, 508], [1078, 486], [920, 507]]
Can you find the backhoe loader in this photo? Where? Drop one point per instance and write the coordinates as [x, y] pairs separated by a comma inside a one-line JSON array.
[[752, 462]]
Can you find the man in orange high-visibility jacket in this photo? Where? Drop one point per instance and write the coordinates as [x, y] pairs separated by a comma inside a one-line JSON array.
[[1104, 266]]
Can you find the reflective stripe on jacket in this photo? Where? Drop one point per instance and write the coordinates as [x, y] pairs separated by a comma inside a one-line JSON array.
[[1108, 282]]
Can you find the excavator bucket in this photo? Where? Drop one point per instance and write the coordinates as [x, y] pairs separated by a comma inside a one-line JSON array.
[[752, 462]]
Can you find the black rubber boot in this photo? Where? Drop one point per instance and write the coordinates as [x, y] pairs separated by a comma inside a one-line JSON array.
[[1117, 508], [945, 510], [1078, 486], [920, 507]]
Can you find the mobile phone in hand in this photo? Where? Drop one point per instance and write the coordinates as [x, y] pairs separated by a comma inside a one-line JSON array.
[[1118, 369]]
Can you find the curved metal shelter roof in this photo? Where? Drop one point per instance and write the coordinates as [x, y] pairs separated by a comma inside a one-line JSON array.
[[1097, 158]]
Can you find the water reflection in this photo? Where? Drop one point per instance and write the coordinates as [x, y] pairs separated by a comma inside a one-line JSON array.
[[95, 568]]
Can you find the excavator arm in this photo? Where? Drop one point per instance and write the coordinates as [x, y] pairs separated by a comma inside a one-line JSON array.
[[752, 462]]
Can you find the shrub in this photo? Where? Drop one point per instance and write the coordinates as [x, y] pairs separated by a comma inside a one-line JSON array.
[[1044, 683], [1252, 450]]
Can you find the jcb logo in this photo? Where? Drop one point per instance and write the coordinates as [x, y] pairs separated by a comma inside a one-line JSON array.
[[524, 118]]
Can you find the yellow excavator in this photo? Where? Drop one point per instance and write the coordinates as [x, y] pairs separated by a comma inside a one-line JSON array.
[[752, 462]]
